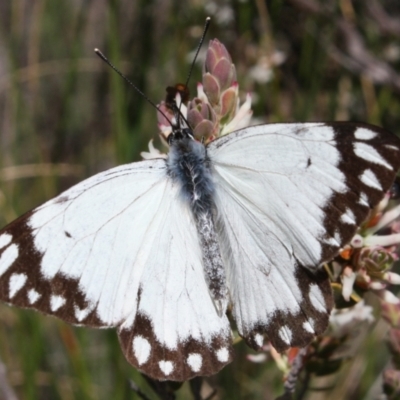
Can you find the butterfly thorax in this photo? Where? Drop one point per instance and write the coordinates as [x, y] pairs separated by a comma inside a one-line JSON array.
[[189, 166]]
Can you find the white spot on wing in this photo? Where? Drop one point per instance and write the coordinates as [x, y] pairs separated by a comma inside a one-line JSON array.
[[285, 334], [259, 339], [195, 361], [5, 239], [364, 134], [317, 298], [8, 257], [332, 242], [166, 366], [223, 354], [33, 296], [363, 200], [370, 179], [142, 349], [80, 314], [56, 302], [391, 147], [17, 281], [337, 237], [308, 326], [368, 153], [348, 217]]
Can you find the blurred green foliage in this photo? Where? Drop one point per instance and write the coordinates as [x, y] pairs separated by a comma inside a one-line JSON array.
[[65, 115]]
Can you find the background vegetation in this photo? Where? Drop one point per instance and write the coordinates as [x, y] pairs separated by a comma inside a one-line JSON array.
[[64, 115]]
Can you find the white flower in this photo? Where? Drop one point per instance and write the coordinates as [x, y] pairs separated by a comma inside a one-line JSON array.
[[257, 358], [388, 297], [348, 320], [348, 279], [241, 119], [201, 94], [152, 153]]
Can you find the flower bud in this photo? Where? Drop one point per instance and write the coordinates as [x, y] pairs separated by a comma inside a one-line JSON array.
[[228, 104], [392, 278], [211, 88], [348, 279], [204, 131]]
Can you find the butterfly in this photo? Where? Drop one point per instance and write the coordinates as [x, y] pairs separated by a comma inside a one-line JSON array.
[[161, 249]]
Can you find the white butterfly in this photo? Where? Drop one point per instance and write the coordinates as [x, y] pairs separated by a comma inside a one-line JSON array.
[[160, 249]]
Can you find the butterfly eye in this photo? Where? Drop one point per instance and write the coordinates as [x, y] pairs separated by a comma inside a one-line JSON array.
[[172, 91]]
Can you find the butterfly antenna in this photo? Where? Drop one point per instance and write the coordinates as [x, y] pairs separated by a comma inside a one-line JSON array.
[[107, 61], [206, 26]]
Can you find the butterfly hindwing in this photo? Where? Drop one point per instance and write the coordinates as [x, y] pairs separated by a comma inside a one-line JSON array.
[[271, 293], [293, 194], [91, 256], [173, 292]]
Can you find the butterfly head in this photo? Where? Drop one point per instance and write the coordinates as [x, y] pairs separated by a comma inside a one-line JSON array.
[[179, 134], [173, 113]]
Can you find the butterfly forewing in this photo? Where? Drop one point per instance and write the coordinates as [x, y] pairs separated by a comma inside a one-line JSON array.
[[120, 249], [293, 194], [73, 247]]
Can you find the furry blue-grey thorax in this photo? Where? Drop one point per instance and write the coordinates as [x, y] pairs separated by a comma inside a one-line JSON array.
[[189, 166]]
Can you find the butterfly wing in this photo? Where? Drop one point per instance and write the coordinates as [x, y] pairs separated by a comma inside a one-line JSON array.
[[289, 196], [120, 249], [176, 332]]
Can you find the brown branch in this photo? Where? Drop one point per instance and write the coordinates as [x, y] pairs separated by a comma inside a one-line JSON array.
[[353, 53], [360, 60], [386, 23], [291, 380]]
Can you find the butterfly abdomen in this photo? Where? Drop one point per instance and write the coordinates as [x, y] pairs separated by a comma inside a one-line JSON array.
[[189, 166]]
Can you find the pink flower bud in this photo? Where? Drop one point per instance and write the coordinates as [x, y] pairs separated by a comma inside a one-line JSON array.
[[392, 278], [204, 130], [228, 104], [225, 73], [202, 120], [219, 64], [211, 88], [216, 50], [194, 117]]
